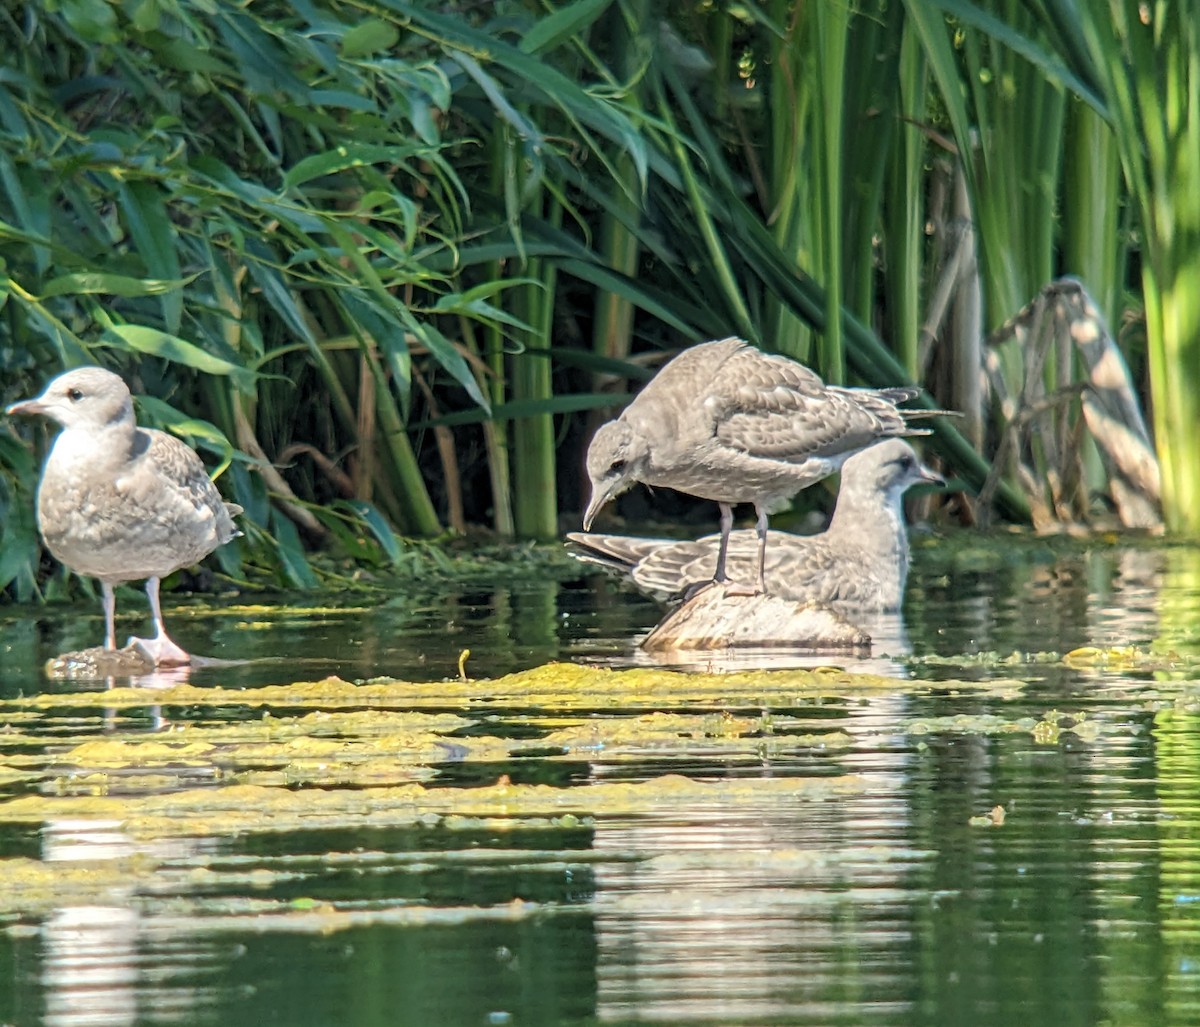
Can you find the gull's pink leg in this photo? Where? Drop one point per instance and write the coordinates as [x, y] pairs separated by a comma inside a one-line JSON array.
[[110, 616], [160, 649]]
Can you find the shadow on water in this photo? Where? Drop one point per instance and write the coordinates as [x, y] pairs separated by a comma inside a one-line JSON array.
[[774, 850]]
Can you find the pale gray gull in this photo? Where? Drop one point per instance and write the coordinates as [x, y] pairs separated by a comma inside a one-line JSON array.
[[860, 562], [727, 422], [123, 503]]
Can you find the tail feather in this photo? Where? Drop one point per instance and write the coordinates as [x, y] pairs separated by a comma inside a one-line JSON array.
[[918, 413], [660, 566], [617, 551]]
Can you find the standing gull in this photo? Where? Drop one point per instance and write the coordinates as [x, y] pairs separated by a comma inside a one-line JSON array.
[[859, 562], [122, 503], [727, 422]]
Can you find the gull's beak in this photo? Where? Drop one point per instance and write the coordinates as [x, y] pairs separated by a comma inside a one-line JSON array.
[[601, 494], [26, 406], [930, 477]]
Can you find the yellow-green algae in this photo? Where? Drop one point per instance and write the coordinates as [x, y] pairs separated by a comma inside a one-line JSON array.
[[558, 685], [359, 736], [228, 762], [377, 750], [33, 887], [244, 809], [373, 746], [396, 732]]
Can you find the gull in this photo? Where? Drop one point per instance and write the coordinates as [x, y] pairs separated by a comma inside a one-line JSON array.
[[123, 503], [727, 422], [860, 562]]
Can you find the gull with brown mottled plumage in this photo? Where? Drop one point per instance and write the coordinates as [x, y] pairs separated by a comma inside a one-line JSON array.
[[727, 422], [859, 563], [123, 503]]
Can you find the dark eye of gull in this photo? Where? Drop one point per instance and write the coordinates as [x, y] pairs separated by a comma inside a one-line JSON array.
[[618, 467], [74, 395]]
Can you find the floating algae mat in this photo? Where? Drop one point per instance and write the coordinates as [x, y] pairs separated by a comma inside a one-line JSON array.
[[332, 753]]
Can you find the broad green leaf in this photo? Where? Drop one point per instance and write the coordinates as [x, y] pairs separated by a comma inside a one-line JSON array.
[[569, 20], [12, 233], [179, 351], [290, 551], [369, 37], [15, 456], [29, 197], [349, 156], [447, 354], [494, 91], [346, 527], [257, 195], [251, 493], [642, 297], [263, 65], [478, 308], [589, 360], [94, 20], [339, 98], [380, 528], [184, 55], [110, 285]]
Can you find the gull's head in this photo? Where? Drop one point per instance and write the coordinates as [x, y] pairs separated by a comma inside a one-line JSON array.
[[889, 468], [88, 397], [614, 461]]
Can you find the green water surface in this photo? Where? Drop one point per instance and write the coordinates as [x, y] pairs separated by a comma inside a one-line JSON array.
[[995, 822]]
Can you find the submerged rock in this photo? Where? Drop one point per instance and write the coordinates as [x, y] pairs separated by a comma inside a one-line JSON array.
[[98, 662]]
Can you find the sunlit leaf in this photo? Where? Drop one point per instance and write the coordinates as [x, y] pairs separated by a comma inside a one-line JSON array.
[[154, 343], [96, 282], [369, 37], [349, 156]]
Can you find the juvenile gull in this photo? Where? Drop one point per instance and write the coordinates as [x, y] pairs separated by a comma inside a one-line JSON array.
[[859, 562], [122, 503], [727, 422]]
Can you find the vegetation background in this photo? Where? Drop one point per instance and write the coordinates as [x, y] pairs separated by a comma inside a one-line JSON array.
[[388, 264]]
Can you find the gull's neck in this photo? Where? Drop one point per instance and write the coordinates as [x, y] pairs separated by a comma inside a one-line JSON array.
[[873, 523], [94, 449]]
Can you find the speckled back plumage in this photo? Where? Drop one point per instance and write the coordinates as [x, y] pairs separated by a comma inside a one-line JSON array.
[[859, 562], [725, 421]]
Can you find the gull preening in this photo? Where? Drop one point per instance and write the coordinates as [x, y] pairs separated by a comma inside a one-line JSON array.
[[860, 562], [727, 422], [123, 503]]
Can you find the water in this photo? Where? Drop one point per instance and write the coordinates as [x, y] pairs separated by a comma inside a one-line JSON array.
[[770, 850]]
